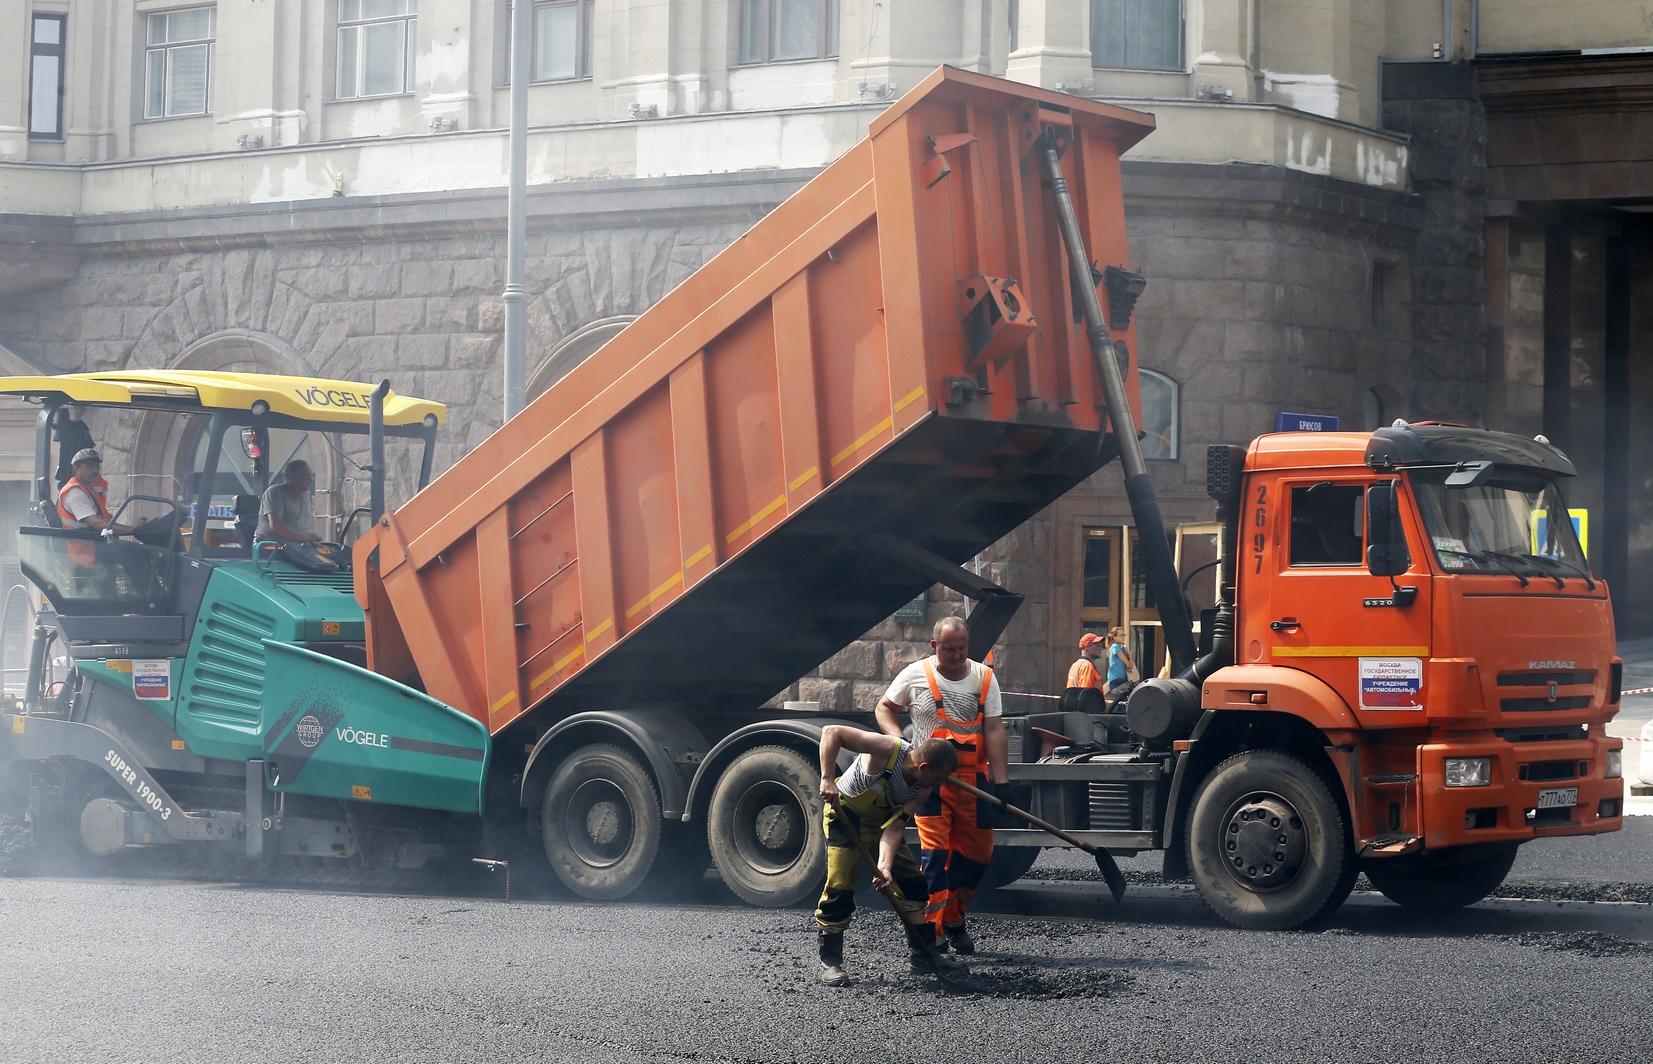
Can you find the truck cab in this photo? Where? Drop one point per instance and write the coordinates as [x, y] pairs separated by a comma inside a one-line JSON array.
[[1418, 597]]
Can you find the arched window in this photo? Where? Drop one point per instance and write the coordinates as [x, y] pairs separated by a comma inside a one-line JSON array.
[[1161, 415], [573, 349]]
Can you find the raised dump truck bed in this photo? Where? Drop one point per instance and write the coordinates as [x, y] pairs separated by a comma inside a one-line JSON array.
[[729, 491]]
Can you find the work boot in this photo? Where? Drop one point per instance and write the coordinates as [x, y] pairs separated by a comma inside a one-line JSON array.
[[960, 940], [919, 962], [831, 951]]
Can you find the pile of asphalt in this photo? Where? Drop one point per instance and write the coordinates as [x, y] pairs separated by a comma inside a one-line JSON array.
[[1588, 943]]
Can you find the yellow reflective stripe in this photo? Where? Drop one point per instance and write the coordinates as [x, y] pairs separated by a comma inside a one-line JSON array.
[[866, 438], [755, 518], [502, 703], [696, 556], [641, 604], [561, 664], [803, 479], [1350, 652], [908, 399], [599, 630]]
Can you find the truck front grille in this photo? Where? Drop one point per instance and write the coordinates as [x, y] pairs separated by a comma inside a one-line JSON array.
[[1560, 704], [1545, 771], [1544, 679], [1561, 733]]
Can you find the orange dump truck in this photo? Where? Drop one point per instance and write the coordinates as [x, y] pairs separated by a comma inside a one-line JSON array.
[[1409, 672]]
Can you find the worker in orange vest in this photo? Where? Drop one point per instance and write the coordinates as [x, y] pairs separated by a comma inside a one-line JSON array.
[[1084, 673], [952, 697], [83, 502]]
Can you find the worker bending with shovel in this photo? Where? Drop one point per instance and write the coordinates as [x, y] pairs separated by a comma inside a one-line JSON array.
[[869, 806]]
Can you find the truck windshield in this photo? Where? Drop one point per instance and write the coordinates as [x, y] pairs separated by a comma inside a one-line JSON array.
[[1514, 523]]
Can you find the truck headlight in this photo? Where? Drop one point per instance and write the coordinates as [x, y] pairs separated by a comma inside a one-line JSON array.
[[1615, 764], [1469, 771]]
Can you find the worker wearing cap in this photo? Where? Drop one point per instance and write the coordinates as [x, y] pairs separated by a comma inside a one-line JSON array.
[[952, 697], [1084, 672], [83, 502], [875, 797]]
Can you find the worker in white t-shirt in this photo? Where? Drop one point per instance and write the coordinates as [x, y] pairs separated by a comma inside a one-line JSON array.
[[952, 697]]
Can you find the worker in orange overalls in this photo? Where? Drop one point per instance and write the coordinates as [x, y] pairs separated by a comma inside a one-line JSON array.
[[953, 698], [1083, 673], [83, 502]]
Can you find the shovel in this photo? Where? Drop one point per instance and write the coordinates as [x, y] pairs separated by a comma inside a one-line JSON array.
[[1104, 860], [916, 932]]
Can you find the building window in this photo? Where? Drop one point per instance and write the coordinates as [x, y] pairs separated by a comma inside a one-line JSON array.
[[1160, 417], [775, 30], [376, 40], [178, 62], [562, 35], [46, 78], [1136, 34]]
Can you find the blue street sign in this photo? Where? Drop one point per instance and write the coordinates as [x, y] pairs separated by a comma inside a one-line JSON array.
[[1285, 421]]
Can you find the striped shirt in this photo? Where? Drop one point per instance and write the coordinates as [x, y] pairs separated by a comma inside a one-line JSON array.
[[856, 779], [960, 699]]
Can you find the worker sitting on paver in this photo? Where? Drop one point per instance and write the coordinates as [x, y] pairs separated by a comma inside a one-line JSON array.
[[284, 512], [879, 792]]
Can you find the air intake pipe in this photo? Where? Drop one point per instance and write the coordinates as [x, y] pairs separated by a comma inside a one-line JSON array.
[[1162, 711]]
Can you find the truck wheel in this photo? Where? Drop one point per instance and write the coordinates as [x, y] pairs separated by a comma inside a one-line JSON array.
[[1009, 863], [601, 823], [764, 825], [1267, 844], [1441, 882]]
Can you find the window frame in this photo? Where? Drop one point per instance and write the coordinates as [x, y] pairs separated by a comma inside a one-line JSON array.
[[408, 17], [1179, 63], [1173, 432], [827, 43], [582, 41], [168, 49], [39, 51]]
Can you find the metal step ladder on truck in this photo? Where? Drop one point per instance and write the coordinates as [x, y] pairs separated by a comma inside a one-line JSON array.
[[573, 632]]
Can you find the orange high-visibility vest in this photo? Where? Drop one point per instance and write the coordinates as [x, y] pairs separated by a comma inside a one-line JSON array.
[[1085, 674], [965, 737], [82, 553]]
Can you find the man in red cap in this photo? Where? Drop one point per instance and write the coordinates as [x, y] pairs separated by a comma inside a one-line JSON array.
[[1084, 673]]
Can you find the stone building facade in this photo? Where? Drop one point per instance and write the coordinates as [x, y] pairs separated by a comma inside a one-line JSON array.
[[1320, 216]]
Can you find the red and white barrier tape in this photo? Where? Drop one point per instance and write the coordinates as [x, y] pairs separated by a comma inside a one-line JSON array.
[[1638, 691]]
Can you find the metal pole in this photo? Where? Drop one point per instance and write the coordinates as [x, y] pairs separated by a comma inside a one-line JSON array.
[[376, 445], [1160, 570], [516, 215]]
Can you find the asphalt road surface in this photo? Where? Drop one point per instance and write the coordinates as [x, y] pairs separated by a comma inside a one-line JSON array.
[[1557, 967]]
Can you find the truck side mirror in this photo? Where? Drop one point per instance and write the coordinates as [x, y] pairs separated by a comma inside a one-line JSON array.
[[1386, 553]]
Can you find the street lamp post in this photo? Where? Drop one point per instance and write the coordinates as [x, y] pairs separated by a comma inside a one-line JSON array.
[[516, 215]]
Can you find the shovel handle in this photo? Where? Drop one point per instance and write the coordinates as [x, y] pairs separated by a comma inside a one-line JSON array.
[[1022, 813], [872, 863]]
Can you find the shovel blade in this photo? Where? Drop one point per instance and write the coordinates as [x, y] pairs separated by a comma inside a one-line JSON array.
[[1110, 873]]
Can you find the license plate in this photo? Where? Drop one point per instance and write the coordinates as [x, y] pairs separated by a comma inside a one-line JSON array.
[[1558, 798]]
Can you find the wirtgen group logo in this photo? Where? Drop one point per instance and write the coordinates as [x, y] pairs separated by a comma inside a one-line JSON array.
[[309, 731]]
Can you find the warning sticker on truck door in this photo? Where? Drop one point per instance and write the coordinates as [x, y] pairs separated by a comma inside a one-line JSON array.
[[1391, 683]]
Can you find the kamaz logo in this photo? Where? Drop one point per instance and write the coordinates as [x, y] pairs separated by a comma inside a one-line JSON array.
[[1550, 664]]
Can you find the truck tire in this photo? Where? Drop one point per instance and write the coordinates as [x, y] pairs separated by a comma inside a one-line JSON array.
[[600, 822], [1008, 864], [1267, 843], [1441, 882], [764, 825]]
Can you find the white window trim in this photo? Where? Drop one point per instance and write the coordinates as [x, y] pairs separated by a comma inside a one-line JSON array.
[[211, 43], [410, 39]]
